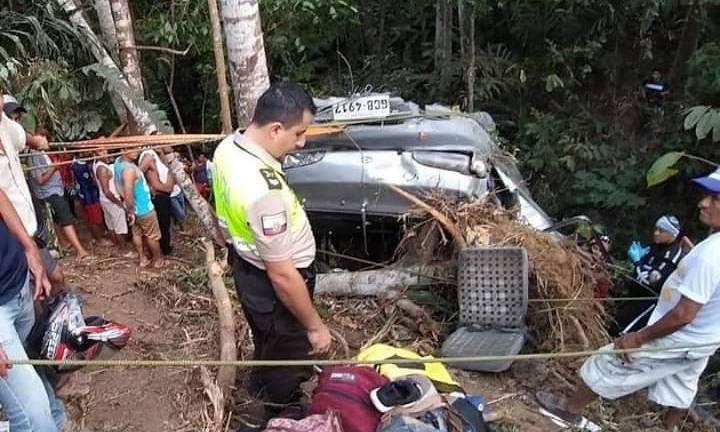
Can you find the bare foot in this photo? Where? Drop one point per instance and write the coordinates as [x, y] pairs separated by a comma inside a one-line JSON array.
[[82, 253], [144, 262], [157, 264]]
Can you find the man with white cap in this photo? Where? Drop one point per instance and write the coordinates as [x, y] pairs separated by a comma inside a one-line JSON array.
[[683, 328]]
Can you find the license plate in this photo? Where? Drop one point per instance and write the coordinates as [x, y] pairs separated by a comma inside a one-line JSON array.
[[365, 107]]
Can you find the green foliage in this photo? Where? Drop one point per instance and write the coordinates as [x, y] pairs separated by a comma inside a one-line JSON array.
[[66, 102], [704, 75], [663, 168], [704, 119], [301, 36]]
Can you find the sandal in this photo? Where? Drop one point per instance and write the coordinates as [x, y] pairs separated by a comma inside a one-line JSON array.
[[550, 407]]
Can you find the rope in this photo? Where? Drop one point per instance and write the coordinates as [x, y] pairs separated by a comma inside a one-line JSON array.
[[352, 361]]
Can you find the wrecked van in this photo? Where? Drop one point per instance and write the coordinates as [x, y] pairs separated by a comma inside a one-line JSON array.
[[342, 178]]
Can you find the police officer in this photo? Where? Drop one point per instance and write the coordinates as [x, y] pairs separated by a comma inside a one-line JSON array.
[[273, 248]]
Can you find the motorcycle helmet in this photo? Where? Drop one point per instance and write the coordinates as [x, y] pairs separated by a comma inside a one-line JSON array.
[[67, 335]]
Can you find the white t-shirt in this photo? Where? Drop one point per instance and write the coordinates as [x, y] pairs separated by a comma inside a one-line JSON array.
[[111, 184], [12, 178], [697, 277], [163, 170]]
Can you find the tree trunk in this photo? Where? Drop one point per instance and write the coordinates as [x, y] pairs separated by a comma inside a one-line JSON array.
[[374, 283], [107, 25], [126, 44], [471, 64], [246, 54], [142, 117], [109, 37], [220, 68], [443, 44], [197, 202], [688, 43]]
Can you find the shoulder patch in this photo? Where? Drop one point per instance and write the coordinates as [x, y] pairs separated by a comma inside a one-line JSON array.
[[271, 178], [274, 224]]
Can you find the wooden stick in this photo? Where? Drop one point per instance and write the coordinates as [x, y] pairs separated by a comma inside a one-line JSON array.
[[446, 223], [228, 348]]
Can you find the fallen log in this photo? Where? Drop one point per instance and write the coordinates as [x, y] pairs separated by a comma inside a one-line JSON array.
[[228, 348], [376, 282]]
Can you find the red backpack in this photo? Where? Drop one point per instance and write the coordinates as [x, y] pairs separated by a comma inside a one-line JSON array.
[[346, 390]]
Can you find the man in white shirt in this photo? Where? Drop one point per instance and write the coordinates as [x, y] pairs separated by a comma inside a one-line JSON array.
[[13, 140], [686, 316]]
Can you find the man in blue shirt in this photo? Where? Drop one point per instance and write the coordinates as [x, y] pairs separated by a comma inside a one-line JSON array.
[[135, 194], [26, 397]]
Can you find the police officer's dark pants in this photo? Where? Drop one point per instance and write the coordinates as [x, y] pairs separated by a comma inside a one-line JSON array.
[[161, 202], [277, 334]]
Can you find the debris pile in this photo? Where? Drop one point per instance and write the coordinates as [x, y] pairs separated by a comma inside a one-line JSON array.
[[559, 268]]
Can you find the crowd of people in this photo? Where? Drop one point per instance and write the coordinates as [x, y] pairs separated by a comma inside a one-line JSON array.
[[130, 195]]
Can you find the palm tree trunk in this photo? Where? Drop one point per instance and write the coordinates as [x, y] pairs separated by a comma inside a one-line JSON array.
[[109, 38], [141, 116], [220, 68], [129, 58], [107, 25], [246, 55]]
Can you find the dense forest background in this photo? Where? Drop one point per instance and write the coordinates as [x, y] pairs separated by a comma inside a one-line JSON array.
[[562, 79]]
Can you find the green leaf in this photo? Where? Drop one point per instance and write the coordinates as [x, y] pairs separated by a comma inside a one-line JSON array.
[[716, 132], [662, 169], [706, 123], [694, 115]]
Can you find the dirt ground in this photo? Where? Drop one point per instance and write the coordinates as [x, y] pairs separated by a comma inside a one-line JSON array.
[[138, 399], [171, 324]]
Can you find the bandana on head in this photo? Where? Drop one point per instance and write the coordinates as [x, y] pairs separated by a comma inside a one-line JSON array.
[[669, 224]]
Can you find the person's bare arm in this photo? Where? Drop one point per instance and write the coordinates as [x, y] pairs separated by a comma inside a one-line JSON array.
[[147, 166], [129, 178], [43, 174], [104, 176], [32, 254], [290, 288], [681, 315]]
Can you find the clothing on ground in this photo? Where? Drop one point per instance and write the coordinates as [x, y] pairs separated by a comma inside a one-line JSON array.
[[12, 178], [26, 396], [61, 210], [276, 332], [141, 190], [671, 377], [13, 266], [147, 226], [38, 164], [87, 188], [161, 201], [256, 208], [698, 279]]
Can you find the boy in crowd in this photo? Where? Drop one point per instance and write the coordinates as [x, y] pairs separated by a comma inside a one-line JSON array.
[[89, 196]]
